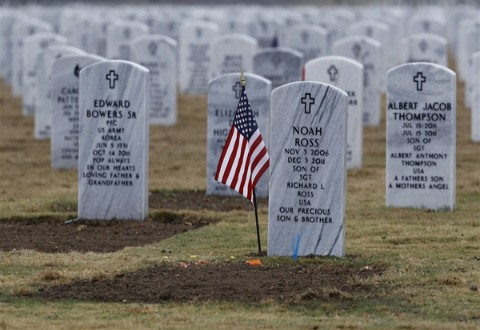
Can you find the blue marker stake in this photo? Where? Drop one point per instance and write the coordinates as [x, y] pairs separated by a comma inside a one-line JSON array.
[[296, 244]]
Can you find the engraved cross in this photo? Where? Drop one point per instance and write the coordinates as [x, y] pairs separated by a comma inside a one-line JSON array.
[[112, 77], [332, 72], [308, 101], [419, 79], [237, 88]]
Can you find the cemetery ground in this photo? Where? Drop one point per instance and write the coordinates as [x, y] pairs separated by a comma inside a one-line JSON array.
[[403, 268]]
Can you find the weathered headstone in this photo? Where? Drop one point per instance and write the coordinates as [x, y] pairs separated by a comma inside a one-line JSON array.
[[347, 75], [264, 28], [65, 119], [422, 23], [423, 47], [195, 56], [381, 32], [469, 44], [223, 95], [421, 121], [368, 52], [308, 39], [476, 99], [113, 144], [308, 131], [97, 39], [235, 24], [43, 95], [159, 55], [279, 65], [8, 18], [231, 53], [21, 29], [33, 46], [119, 36]]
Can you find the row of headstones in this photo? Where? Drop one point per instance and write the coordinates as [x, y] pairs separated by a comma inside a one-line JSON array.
[[158, 54], [311, 40], [307, 141]]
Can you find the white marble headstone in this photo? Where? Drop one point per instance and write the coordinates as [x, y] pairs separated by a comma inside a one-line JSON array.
[[308, 39], [421, 23], [65, 118], [308, 133], [279, 65], [159, 55], [33, 46], [195, 56], [119, 36], [223, 95], [347, 75], [8, 18], [469, 43], [231, 53], [21, 29], [379, 31], [421, 128], [113, 144], [265, 28], [423, 47], [97, 37], [476, 99], [43, 95], [368, 52]]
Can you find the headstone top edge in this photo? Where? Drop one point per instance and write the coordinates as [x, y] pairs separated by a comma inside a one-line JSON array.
[[297, 83], [39, 35], [119, 62], [421, 64], [236, 35], [74, 56], [65, 47], [198, 22], [367, 40], [237, 75], [281, 49], [334, 58], [427, 35], [155, 37]]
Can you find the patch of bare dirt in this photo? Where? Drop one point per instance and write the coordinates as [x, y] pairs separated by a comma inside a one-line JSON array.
[[239, 282], [196, 200], [53, 236]]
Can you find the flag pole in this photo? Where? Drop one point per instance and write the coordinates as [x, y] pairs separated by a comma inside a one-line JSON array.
[[243, 83], [256, 220]]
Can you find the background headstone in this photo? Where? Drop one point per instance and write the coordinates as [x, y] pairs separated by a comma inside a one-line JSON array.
[[308, 131], [423, 47], [231, 53], [368, 52], [223, 95], [113, 145], [347, 75], [476, 99], [43, 95], [33, 46], [21, 29], [159, 55], [308, 39], [195, 56], [119, 36], [279, 65], [421, 121], [65, 119]]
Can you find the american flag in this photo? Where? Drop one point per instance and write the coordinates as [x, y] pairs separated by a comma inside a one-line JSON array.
[[244, 157]]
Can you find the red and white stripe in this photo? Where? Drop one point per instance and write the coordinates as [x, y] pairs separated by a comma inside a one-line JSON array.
[[242, 162]]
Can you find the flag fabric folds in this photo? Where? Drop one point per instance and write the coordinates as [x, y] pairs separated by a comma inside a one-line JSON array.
[[244, 157]]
